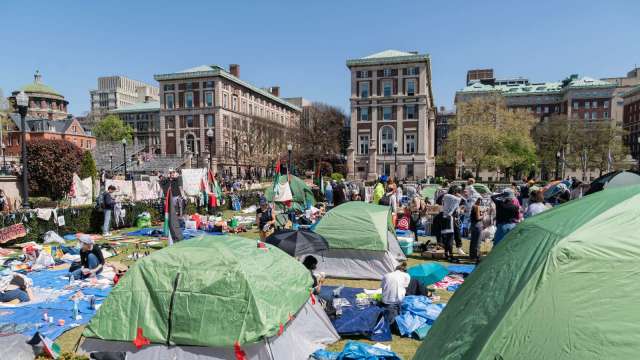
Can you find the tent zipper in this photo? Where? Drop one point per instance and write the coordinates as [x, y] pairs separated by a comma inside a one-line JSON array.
[[173, 295]]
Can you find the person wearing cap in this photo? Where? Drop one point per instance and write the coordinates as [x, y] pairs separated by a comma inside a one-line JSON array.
[[507, 214], [265, 219], [91, 259]]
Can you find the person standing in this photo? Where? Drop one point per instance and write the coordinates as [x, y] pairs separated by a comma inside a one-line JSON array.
[[394, 289], [339, 195], [536, 204], [507, 214], [328, 193], [476, 218], [378, 190], [108, 203], [5, 203], [449, 222]]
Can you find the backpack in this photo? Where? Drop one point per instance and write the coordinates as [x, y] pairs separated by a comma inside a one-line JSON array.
[[385, 200]]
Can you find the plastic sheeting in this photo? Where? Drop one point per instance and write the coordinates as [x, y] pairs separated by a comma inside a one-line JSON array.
[[354, 350], [561, 285], [307, 332]]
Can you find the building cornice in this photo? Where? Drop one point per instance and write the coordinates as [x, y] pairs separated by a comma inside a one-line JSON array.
[[389, 60]]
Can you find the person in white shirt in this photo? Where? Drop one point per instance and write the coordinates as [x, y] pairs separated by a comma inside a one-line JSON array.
[[536, 204], [394, 288]]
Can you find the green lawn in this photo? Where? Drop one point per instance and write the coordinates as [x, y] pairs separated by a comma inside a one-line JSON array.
[[404, 347]]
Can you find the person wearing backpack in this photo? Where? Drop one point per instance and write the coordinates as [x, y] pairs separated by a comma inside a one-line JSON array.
[[107, 205]]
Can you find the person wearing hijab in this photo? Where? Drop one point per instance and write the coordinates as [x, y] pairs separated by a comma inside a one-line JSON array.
[[449, 213]]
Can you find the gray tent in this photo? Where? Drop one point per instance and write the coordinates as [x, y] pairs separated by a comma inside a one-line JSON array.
[[362, 242]]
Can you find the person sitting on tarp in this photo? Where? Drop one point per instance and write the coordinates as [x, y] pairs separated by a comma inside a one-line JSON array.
[[394, 289], [15, 287], [265, 219], [91, 259], [310, 262]]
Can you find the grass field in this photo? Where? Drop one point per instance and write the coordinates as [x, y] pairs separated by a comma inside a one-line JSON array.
[[404, 347]]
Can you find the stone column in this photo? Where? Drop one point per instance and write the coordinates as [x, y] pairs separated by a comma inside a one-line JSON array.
[[400, 140]]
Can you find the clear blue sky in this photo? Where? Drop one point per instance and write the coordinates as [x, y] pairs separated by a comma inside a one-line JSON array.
[[303, 45]]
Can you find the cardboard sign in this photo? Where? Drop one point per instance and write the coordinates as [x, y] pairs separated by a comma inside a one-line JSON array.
[[12, 232], [432, 209]]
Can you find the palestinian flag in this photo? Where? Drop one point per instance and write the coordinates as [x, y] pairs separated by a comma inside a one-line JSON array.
[[276, 179], [166, 228], [204, 194]]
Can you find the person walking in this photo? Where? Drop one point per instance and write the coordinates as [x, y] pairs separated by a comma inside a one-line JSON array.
[[507, 214], [108, 203]]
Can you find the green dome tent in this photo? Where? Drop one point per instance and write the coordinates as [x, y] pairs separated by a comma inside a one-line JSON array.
[[362, 241], [301, 192], [561, 285], [209, 293]]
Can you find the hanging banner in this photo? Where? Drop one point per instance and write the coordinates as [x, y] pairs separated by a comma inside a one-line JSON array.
[[12, 232]]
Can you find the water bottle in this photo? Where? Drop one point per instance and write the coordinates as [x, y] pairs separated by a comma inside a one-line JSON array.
[[75, 308]]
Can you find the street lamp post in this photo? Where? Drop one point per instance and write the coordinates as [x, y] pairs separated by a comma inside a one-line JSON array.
[[289, 148], [4, 160], [413, 166], [124, 156], [557, 165], [210, 138], [111, 161], [395, 160], [197, 159], [22, 100]]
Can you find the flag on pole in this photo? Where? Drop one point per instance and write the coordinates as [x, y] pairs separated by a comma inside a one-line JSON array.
[[204, 194], [276, 178], [166, 228]]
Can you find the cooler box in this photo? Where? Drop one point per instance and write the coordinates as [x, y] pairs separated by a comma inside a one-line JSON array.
[[406, 246]]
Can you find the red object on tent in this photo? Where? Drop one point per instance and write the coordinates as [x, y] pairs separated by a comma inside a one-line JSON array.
[[313, 298], [281, 330], [240, 354], [140, 340], [116, 278]]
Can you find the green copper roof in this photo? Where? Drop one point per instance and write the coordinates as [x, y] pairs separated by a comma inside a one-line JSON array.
[[631, 92], [39, 88], [536, 89], [138, 107], [388, 57], [215, 70]]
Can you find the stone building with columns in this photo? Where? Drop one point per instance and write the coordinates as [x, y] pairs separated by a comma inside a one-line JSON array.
[[393, 116], [251, 126]]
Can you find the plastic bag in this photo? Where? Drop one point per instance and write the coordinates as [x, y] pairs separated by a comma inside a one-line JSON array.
[[51, 237]]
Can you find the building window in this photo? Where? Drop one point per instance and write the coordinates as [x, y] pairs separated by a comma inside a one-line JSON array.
[[364, 89], [586, 116], [410, 143], [587, 104], [413, 71], [234, 103], [594, 115], [188, 121], [208, 98], [387, 87], [386, 113], [225, 101], [387, 137], [364, 114], [170, 121], [576, 105], [169, 101], [595, 104], [411, 87], [410, 112], [188, 99], [606, 104], [386, 72], [605, 115], [207, 84], [210, 121], [168, 87], [546, 109], [538, 109], [363, 146]]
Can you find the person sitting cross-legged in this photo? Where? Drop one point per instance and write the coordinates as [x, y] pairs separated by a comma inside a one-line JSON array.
[[91, 259]]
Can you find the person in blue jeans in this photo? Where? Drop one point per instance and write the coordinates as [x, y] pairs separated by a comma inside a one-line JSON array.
[[15, 287], [91, 259], [507, 214], [107, 206]]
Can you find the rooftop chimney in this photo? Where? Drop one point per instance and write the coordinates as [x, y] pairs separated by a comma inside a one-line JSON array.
[[234, 69], [275, 91]]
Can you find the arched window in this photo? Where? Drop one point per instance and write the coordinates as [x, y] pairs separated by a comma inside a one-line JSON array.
[[387, 137]]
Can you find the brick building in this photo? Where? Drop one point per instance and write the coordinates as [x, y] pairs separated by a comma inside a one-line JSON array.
[[631, 121], [44, 101], [251, 126], [144, 118], [391, 103]]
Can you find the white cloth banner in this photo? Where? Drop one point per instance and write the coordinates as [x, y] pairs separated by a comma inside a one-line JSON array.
[[191, 180], [123, 187], [83, 191], [282, 193], [145, 190]]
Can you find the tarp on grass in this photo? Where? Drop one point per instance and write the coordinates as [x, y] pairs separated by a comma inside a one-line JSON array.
[[561, 285]]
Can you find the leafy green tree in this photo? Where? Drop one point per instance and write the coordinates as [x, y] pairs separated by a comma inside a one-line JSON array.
[[112, 128], [88, 166]]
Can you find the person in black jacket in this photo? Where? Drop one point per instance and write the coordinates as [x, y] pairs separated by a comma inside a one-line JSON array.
[[107, 205]]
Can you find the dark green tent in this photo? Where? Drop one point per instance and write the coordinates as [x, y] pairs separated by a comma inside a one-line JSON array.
[[301, 192], [561, 285]]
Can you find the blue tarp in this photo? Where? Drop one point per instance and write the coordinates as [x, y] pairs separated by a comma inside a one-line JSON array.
[[29, 317], [354, 350], [157, 232], [354, 321], [461, 269], [417, 312]]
